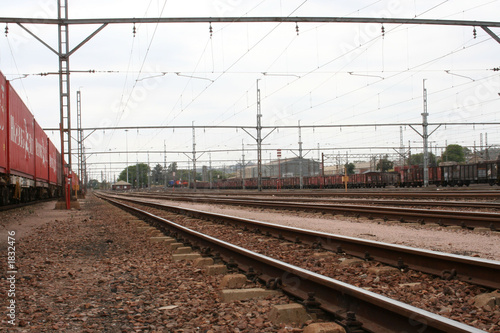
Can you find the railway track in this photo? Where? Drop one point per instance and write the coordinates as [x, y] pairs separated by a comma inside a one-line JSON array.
[[348, 304], [463, 219], [493, 194], [474, 270], [384, 202], [24, 204]]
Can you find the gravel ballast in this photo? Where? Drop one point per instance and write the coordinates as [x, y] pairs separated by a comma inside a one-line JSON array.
[[91, 271], [458, 241]]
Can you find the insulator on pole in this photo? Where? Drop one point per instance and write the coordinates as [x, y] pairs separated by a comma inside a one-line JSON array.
[[134, 30], [211, 30], [474, 33], [297, 28], [6, 29]]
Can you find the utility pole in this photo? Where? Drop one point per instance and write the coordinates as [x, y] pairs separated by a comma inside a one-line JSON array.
[[126, 143], [486, 153], [259, 141], [242, 165], [401, 146], [425, 136], [481, 144], [194, 159], [301, 174], [79, 133], [64, 95], [210, 170], [165, 162], [149, 175]]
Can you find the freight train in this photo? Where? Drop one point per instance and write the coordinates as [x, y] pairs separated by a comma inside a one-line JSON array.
[[30, 164], [487, 172]]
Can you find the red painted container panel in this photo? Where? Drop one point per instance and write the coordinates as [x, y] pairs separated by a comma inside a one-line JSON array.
[[3, 123], [60, 170], [53, 163], [41, 154], [21, 141]]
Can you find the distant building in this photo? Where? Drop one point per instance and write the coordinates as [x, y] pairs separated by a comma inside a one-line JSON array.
[[289, 167], [121, 186]]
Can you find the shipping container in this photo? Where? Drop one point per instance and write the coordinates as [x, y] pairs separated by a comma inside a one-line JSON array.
[[41, 157], [60, 179], [21, 141], [53, 163], [3, 124]]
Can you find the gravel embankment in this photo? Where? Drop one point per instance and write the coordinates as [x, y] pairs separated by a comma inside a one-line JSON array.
[[464, 242], [452, 299], [89, 271]]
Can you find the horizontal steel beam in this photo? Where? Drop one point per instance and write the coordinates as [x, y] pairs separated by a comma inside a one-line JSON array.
[[496, 123], [265, 19]]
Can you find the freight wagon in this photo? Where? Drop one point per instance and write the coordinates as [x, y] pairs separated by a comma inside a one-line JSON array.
[[30, 165], [487, 172]]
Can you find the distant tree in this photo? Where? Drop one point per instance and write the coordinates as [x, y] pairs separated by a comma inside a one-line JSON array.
[[157, 175], [418, 159], [172, 167], [384, 164], [136, 179], [218, 175], [455, 153], [94, 183], [350, 168]]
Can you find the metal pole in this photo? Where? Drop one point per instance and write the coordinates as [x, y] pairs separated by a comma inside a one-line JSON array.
[[425, 139], [210, 171], [194, 159], [300, 159], [79, 135], [279, 169], [165, 161], [126, 143], [149, 178], [110, 175], [259, 141], [322, 169], [137, 169], [242, 165], [64, 96]]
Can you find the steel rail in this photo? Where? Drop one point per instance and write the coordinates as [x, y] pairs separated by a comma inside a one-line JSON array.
[[442, 217], [478, 271], [433, 203], [465, 194], [377, 313]]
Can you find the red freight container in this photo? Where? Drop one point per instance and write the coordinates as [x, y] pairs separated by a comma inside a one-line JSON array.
[[41, 155], [59, 169], [53, 162], [3, 124], [22, 142]]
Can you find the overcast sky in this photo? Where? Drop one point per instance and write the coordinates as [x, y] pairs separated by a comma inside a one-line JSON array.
[[326, 74]]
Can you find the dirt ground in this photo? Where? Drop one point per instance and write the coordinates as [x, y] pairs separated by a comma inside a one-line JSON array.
[[23, 221]]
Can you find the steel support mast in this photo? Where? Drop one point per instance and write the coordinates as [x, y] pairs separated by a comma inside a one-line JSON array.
[[301, 174], [259, 141], [64, 97], [425, 138], [194, 159], [79, 137]]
